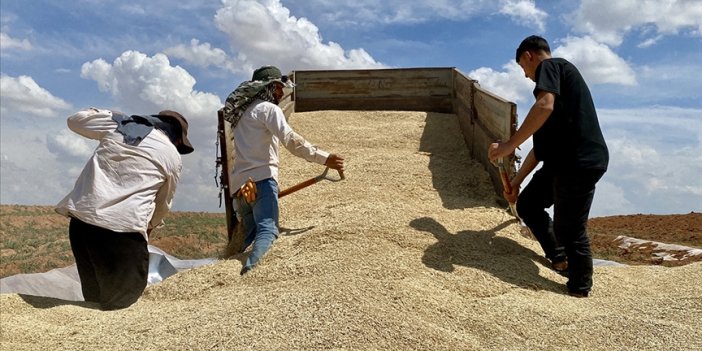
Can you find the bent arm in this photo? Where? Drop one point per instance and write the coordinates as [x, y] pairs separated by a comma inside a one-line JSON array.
[[538, 114], [92, 123], [295, 143]]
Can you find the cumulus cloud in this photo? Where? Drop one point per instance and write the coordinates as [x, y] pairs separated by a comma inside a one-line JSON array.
[[597, 62], [609, 21], [67, 144], [510, 84], [264, 32], [204, 55], [22, 95], [9, 43], [144, 84], [525, 12]]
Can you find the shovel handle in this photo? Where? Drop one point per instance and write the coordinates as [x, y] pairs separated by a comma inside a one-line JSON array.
[[297, 187], [504, 176], [309, 182]]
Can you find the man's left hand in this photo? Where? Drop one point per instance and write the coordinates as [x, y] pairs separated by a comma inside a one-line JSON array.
[[498, 150]]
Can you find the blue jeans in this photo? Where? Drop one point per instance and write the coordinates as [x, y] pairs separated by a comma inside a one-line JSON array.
[[260, 220]]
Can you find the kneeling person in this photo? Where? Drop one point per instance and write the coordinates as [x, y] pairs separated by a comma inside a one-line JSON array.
[[123, 192]]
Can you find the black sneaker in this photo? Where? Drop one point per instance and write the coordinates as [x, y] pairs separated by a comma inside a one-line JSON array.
[[579, 294], [244, 270]]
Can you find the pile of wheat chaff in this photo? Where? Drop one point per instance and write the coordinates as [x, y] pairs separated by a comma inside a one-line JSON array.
[[411, 251]]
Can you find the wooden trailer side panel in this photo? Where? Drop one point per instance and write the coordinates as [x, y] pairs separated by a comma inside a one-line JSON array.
[[411, 89]]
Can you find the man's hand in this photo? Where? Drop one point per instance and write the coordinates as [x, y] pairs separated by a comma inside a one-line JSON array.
[[498, 150], [335, 161], [512, 197]]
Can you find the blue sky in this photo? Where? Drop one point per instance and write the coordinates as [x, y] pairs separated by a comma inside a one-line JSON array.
[[642, 60]]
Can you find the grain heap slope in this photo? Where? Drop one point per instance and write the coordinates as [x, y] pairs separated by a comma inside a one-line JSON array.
[[409, 252]]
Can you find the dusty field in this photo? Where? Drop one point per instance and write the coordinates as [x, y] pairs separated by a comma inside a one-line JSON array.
[[409, 252]]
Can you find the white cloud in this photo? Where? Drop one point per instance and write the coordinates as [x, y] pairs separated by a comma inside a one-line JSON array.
[[22, 95], [525, 12], [144, 84], [9, 43], [510, 84], [264, 32], [597, 62], [204, 55], [67, 143], [609, 21]]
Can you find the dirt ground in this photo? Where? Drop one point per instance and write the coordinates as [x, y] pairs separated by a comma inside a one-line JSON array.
[[683, 229], [680, 229]]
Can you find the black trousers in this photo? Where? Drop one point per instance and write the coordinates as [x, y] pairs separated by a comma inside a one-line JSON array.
[[570, 194], [112, 266]]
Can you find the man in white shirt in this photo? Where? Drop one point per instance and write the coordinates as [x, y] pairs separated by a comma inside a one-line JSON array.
[[124, 191], [259, 125]]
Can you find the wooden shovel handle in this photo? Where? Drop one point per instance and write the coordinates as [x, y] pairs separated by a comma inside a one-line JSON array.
[[504, 176], [297, 187]]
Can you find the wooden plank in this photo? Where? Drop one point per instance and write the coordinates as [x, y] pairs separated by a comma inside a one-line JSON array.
[[373, 83], [494, 113], [420, 103], [467, 128], [225, 161], [479, 111]]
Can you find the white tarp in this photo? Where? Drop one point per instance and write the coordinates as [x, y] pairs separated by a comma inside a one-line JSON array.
[[64, 283]]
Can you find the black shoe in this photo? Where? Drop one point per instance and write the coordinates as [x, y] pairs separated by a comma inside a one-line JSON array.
[[579, 294], [244, 270]]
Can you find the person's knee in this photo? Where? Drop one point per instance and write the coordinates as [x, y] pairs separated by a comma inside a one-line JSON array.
[[525, 209]]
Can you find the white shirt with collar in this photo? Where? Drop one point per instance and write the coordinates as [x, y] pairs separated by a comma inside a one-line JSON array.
[[122, 188], [256, 137]]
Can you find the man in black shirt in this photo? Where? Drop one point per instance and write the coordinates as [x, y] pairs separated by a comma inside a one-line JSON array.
[[568, 140]]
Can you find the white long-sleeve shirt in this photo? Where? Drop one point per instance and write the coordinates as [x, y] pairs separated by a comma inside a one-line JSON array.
[[256, 137], [122, 188]]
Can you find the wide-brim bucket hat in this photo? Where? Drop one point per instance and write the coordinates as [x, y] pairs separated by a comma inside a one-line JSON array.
[[184, 147], [268, 74]]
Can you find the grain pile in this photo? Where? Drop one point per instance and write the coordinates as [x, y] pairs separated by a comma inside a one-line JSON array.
[[410, 252]]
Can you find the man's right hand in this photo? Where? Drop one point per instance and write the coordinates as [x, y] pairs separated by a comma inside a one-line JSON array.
[[335, 161], [510, 197]]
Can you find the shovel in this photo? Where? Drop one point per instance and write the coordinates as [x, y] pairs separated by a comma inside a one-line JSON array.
[[311, 181], [504, 176]]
